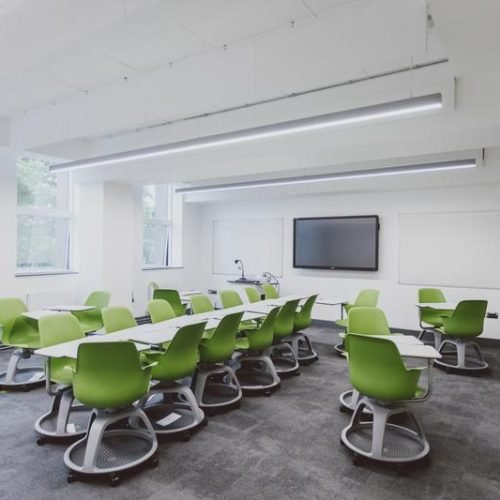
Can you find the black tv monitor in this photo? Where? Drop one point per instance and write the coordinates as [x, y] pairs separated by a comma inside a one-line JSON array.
[[345, 243]]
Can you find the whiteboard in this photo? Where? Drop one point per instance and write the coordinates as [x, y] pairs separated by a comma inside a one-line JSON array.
[[257, 242], [460, 249]]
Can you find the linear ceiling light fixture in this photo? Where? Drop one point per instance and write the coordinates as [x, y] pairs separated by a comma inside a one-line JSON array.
[[359, 115], [355, 174]]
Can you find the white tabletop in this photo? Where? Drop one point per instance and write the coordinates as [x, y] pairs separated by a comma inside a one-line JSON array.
[[37, 314], [329, 301], [70, 308], [438, 305]]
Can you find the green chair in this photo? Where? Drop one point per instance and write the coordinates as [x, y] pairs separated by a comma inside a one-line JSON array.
[[377, 371], [257, 373], [109, 378], [160, 310], [91, 320], [431, 318], [465, 324], [65, 419], [366, 298], [201, 304], [252, 294], [300, 342], [281, 352], [116, 318], [215, 384], [362, 321], [270, 291], [22, 334], [173, 298], [176, 412], [231, 298]]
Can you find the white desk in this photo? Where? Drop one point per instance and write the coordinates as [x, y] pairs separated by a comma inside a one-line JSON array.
[[37, 314], [440, 306], [410, 347], [70, 308]]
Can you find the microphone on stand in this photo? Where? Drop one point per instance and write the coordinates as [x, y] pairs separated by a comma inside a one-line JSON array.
[[241, 267]]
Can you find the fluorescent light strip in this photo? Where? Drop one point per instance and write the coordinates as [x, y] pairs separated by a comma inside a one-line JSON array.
[[359, 115], [356, 174]]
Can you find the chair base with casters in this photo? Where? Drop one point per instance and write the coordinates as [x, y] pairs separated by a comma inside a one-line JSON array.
[[65, 419], [456, 357], [284, 360], [108, 452], [22, 377], [257, 374], [437, 337], [216, 387], [303, 349], [173, 410], [383, 441]]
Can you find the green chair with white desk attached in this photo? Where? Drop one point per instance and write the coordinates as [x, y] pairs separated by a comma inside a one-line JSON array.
[[65, 418], [270, 291], [458, 331], [231, 298], [377, 372], [216, 386], [431, 318], [252, 294], [160, 310], [362, 321], [110, 378], [300, 342], [177, 412], [366, 298], [201, 304], [23, 370], [257, 374], [116, 318], [281, 352], [173, 297], [91, 320]]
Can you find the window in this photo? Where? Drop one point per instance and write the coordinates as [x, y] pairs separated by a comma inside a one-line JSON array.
[[43, 218], [157, 226]]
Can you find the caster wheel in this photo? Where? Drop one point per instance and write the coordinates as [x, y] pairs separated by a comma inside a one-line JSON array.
[[70, 478], [267, 394], [186, 437], [205, 422], [316, 358], [114, 481], [357, 461], [25, 388], [154, 462], [296, 373], [41, 441], [343, 409], [341, 442], [237, 405]]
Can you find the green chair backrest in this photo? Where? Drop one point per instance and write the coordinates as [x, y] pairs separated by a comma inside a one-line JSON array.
[[230, 298], [367, 321], [221, 346], [367, 298], [252, 294], [376, 369], [173, 298], [10, 310], [467, 319], [98, 299], [263, 336], [283, 326], [270, 291], [117, 318], [160, 310], [428, 315], [58, 328], [201, 304], [181, 357], [303, 317], [109, 375]]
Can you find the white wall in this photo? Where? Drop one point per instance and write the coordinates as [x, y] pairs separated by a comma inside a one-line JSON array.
[[397, 300]]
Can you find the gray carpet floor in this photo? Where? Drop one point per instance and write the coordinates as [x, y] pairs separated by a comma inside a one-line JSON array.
[[284, 446]]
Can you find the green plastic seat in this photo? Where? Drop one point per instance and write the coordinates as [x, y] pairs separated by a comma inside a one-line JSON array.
[[216, 384], [178, 361], [270, 291], [282, 354], [377, 371], [300, 342], [366, 298], [22, 333], [64, 419], [257, 373], [160, 310], [458, 331], [173, 298], [231, 298], [91, 320], [252, 294], [109, 377], [201, 304], [116, 318]]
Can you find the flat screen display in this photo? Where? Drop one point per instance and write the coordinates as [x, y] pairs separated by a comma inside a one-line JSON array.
[[346, 243]]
